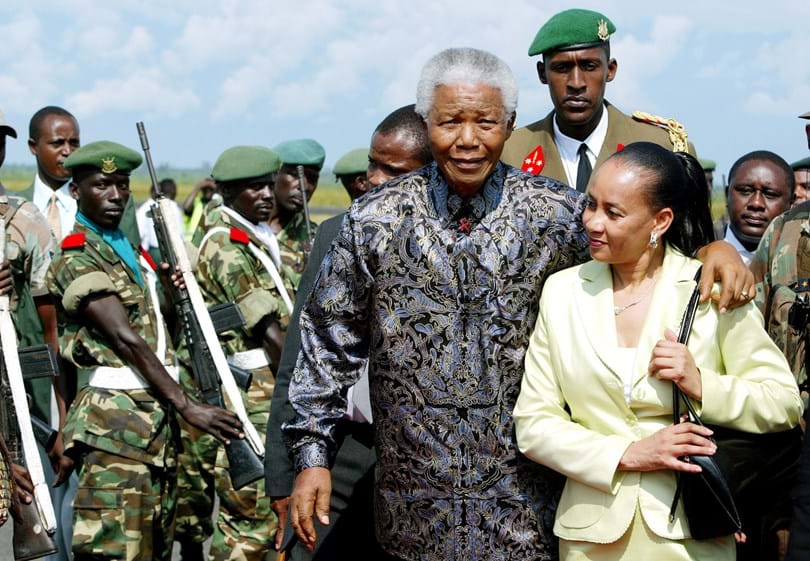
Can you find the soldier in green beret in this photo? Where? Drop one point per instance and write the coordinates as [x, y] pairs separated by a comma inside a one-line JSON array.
[[351, 169], [288, 220], [584, 129], [708, 170], [239, 262], [120, 429], [801, 173]]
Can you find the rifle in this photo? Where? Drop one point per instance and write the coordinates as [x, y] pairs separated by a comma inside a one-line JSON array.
[[35, 527], [209, 365], [302, 184]]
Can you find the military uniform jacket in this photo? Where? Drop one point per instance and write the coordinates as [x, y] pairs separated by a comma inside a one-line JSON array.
[[293, 244], [442, 308], [228, 271], [781, 267], [28, 248], [622, 130], [130, 423]]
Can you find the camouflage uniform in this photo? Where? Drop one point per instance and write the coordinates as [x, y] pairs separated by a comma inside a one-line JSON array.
[[781, 267], [29, 248], [124, 507], [227, 271], [295, 247]]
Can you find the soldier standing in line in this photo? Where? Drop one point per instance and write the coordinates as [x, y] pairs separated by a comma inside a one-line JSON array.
[[584, 129], [288, 220], [121, 427], [237, 264]]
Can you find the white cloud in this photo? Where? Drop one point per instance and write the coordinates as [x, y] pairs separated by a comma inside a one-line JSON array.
[[147, 91], [782, 83], [641, 60]]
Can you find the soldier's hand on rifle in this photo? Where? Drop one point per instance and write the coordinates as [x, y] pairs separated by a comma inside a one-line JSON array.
[[217, 422], [23, 486], [171, 282], [62, 464], [6, 282]]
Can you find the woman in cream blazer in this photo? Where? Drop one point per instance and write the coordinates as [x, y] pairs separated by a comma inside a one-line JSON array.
[[596, 399]]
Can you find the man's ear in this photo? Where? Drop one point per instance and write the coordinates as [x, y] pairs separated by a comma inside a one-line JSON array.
[[74, 190], [510, 124], [541, 72], [613, 66], [32, 146]]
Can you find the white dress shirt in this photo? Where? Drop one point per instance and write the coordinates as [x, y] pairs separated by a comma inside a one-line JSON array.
[[744, 253], [64, 202], [569, 147], [146, 226]]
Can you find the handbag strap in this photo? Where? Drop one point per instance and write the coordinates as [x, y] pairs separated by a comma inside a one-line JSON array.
[[683, 338], [677, 395]]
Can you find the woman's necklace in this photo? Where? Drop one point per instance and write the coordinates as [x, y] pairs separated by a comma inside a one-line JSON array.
[[619, 309]]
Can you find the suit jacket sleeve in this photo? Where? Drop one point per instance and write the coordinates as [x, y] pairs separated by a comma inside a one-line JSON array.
[[278, 463]]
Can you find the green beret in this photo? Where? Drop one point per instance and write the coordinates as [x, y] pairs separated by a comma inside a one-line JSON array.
[[352, 163], [106, 156], [245, 162], [303, 152], [707, 165], [805, 115], [572, 29], [804, 163]]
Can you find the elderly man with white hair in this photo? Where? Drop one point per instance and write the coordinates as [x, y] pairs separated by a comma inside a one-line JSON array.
[[435, 281]]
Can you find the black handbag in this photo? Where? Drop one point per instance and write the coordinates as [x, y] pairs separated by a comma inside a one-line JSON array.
[[707, 498], [756, 470]]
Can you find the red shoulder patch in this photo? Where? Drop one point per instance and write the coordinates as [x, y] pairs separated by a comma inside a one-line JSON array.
[[148, 259], [239, 236], [619, 147], [74, 241], [534, 162]]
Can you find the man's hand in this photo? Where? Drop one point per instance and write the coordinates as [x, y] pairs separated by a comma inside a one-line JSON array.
[[220, 423], [310, 497], [62, 464], [23, 486], [6, 281], [281, 506], [722, 263]]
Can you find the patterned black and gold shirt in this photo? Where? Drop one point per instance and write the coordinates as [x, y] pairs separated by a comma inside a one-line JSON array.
[[439, 295]]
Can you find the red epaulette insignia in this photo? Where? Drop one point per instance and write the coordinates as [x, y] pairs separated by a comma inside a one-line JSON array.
[[74, 241], [619, 147], [239, 236], [148, 259], [534, 161]]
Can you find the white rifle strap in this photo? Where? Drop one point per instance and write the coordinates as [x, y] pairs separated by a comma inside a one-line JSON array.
[[229, 387], [265, 260], [8, 340]]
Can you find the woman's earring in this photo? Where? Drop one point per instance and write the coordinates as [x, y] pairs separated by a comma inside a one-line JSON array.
[[653, 239]]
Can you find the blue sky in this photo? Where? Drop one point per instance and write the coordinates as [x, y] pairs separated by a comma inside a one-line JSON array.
[[207, 74]]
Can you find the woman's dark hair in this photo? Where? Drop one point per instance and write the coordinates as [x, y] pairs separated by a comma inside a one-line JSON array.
[[676, 181]]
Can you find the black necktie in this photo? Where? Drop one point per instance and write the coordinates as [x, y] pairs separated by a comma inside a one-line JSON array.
[[584, 168]]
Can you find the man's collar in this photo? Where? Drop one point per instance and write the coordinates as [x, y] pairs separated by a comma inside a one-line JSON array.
[[62, 194], [594, 141], [745, 254]]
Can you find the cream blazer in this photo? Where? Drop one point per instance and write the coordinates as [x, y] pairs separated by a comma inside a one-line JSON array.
[[572, 416]]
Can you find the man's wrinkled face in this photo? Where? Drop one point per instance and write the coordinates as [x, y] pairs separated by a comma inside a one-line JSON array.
[[392, 155], [252, 198], [102, 197], [576, 82], [757, 193], [287, 190], [58, 139], [467, 126]]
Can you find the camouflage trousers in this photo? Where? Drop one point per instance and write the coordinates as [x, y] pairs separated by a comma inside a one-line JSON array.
[[246, 526], [124, 509]]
